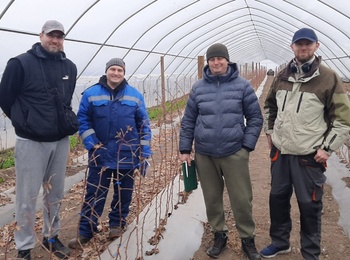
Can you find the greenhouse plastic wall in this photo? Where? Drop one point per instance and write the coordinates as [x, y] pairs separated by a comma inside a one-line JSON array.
[[257, 33]]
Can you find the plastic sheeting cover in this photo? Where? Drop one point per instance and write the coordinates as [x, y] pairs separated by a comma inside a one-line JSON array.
[[141, 31]]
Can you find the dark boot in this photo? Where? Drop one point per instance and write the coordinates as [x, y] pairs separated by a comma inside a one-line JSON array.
[[220, 241], [78, 243], [116, 232], [55, 246], [24, 254], [248, 247]]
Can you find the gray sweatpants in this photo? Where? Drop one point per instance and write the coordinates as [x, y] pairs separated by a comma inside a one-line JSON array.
[[38, 164], [233, 171]]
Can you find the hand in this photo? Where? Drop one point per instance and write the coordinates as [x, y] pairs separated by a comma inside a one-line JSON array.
[[269, 141], [96, 146], [321, 156], [97, 154], [144, 164], [186, 157]]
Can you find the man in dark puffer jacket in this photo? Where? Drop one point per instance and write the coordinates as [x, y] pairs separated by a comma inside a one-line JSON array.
[[41, 150], [224, 119]]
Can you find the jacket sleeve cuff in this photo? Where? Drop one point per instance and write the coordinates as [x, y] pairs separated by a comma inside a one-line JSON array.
[[327, 151], [247, 148], [269, 131], [146, 153]]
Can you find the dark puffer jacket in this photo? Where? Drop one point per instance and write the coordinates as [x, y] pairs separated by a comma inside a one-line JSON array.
[[222, 115], [25, 92]]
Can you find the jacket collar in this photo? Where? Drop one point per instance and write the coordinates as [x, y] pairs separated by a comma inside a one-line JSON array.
[[232, 72], [287, 72], [40, 52], [103, 82]]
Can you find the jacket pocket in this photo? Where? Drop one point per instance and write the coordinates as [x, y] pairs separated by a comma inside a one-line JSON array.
[[100, 108]]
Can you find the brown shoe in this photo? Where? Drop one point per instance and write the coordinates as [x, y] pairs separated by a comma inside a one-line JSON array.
[[78, 243], [116, 232]]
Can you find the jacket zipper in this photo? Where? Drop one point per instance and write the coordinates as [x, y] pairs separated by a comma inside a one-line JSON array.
[[217, 96], [299, 103], [331, 141], [284, 101]]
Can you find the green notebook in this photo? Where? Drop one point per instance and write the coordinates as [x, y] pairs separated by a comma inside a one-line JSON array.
[[189, 176]]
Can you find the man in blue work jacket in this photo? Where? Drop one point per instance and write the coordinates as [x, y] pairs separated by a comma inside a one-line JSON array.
[[115, 129]]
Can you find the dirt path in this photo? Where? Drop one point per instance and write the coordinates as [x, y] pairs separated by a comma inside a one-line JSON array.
[[335, 244]]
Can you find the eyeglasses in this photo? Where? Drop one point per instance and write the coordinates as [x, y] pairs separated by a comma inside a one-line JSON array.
[[55, 35]]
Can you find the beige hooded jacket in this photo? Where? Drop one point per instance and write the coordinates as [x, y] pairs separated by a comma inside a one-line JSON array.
[[310, 112]]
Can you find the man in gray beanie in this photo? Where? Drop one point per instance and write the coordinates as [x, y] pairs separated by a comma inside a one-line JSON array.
[[115, 62], [218, 105], [115, 129]]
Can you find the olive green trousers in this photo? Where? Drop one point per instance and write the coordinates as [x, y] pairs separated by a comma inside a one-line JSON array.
[[233, 171]]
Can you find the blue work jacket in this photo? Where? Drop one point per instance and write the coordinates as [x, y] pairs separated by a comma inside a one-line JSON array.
[[119, 121]]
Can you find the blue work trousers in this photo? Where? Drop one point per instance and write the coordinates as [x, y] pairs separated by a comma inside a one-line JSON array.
[[98, 183]]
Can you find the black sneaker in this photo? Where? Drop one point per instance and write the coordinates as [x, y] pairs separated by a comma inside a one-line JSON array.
[[220, 242], [55, 246], [248, 247], [24, 254]]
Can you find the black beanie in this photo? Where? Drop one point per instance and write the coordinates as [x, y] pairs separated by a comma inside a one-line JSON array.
[[217, 50]]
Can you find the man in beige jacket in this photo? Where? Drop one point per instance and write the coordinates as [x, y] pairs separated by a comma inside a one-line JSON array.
[[307, 117]]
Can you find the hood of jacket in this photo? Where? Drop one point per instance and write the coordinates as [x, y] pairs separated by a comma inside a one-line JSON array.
[[285, 74], [39, 51], [103, 82]]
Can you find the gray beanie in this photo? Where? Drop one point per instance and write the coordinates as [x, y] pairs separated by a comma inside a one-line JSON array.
[[217, 50], [115, 62]]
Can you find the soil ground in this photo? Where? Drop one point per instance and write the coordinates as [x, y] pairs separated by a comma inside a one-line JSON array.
[[335, 244]]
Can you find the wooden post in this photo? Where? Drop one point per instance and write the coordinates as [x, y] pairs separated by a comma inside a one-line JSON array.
[[163, 85], [200, 66]]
